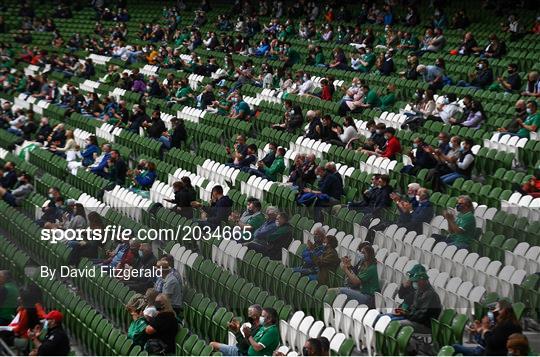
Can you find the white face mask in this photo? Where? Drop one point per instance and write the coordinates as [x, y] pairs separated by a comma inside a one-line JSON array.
[[261, 320], [415, 285], [417, 198]]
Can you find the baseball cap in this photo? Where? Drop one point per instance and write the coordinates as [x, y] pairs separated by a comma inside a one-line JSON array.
[[418, 268], [422, 275], [54, 315]]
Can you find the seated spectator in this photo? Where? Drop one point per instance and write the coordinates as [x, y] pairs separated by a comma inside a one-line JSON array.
[[293, 118], [376, 199], [389, 98], [69, 145], [144, 179], [510, 84], [362, 284], [348, 132], [521, 115], [9, 176], [240, 109], [314, 121], [28, 316], [468, 45], [245, 162], [406, 291], [242, 342], [462, 228], [22, 190], [252, 218], [55, 342], [327, 261], [532, 186], [73, 219], [164, 326], [122, 255], [391, 148], [312, 347], [377, 139], [433, 44], [44, 130], [433, 75], [269, 225], [277, 168], [270, 156], [87, 248], [475, 118], [184, 194], [117, 168], [270, 245], [532, 87], [494, 331], [137, 327], [364, 61], [446, 109], [330, 187], [464, 164], [87, 155], [240, 148], [421, 159], [179, 136], [481, 78], [386, 66], [219, 209], [267, 339], [531, 123], [426, 305], [98, 167], [412, 217], [313, 249]]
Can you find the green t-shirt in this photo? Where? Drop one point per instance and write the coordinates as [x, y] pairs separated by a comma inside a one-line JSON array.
[[242, 107], [370, 280], [268, 336], [224, 102], [9, 305], [277, 168], [370, 59], [387, 101], [183, 92], [136, 331], [256, 221], [373, 99], [533, 119], [467, 223], [319, 58]]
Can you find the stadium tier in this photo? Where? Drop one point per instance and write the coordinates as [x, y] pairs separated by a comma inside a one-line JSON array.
[[229, 178]]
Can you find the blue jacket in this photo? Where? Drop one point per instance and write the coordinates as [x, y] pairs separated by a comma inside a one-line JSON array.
[[413, 221], [332, 185], [88, 154], [98, 169]]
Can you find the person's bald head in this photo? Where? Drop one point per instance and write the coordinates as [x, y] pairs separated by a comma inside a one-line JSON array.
[[521, 105], [330, 166]]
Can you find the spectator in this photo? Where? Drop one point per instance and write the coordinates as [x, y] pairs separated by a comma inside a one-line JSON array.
[[531, 123], [266, 340], [532, 186], [179, 136], [376, 199], [468, 45], [426, 305], [73, 219], [117, 169], [421, 159], [377, 139], [184, 194], [242, 342], [16, 196], [293, 118], [90, 150], [481, 79], [444, 143], [406, 291], [532, 87], [364, 61], [517, 343], [269, 225], [219, 209], [314, 249], [277, 168], [495, 48], [172, 286], [412, 217], [8, 298], [330, 187], [387, 67], [252, 218], [325, 346], [245, 162], [446, 163], [364, 283], [476, 116], [433, 44], [464, 164], [164, 326], [327, 261], [144, 179], [44, 130], [349, 130], [391, 148], [462, 228], [312, 347], [271, 243], [9, 176], [137, 327], [389, 99], [55, 342], [432, 75], [510, 84], [98, 167], [240, 148], [240, 109], [270, 156], [87, 248], [446, 109]]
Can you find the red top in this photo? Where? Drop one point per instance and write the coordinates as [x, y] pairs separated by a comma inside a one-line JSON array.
[[20, 322], [392, 148], [325, 93]]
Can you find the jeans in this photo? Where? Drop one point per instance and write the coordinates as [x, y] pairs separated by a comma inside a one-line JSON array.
[[353, 294], [449, 179], [469, 351], [228, 350]]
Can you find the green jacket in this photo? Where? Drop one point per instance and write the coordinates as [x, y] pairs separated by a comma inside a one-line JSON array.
[[277, 168]]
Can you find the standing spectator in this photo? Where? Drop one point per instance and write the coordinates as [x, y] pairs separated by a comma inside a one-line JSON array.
[[164, 326], [172, 286], [184, 194]]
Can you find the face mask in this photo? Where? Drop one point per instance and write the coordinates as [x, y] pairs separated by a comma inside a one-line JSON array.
[[235, 100], [415, 145], [141, 254], [411, 196], [529, 111], [261, 320], [305, 351], [459, 207], [50, 195], [417, 198], [378, 131], [415, 285], [360, 257], [45, 324], [446, 101], [158, 305], [480, 66]]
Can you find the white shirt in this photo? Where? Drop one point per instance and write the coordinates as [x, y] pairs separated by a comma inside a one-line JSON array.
[[348, 134], [467, 161], [448, 111], [306, 87]]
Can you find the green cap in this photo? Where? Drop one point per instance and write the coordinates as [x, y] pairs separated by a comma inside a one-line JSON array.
[[422, 275], [418, 268]]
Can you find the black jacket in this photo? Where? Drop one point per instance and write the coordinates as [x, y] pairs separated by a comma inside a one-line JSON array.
[[497, 337], [55, 343]]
